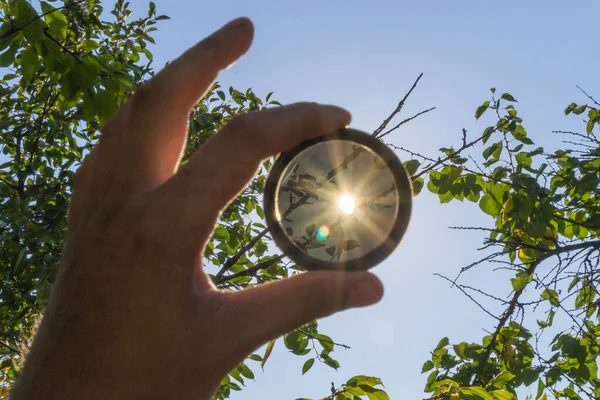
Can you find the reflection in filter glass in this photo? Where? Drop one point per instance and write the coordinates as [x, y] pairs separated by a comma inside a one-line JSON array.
[[337, 201]]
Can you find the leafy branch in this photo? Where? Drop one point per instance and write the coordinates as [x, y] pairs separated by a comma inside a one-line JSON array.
[[17, 29]]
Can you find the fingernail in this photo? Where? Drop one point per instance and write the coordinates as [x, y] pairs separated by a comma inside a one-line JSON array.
[[236, 26], [365, 291], [342, 114]]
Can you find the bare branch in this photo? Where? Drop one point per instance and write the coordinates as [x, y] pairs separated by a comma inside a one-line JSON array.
[[467, 294], [399, 107], [588, 96], [405, 121]]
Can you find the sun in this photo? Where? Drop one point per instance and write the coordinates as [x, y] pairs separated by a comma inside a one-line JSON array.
[[347, 204]]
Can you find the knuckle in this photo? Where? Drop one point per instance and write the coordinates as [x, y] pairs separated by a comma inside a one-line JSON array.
[[318, 117], [241, 124], [312, 115], [145, 95], [243, 130]]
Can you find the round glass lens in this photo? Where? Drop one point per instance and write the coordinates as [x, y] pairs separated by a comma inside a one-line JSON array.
[[337, 200]]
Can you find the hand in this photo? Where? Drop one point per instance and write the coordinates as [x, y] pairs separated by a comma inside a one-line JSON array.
[[133, 315]]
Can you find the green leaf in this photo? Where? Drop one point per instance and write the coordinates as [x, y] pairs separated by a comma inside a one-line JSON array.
[[255, 357], [481, 109], [574, 282], [292, 341], [590, 125], [378, 394], [552, 296], [417, 186], [29, 63], [540, 389], [330, 362], [246, 372], [8, 57], [268, 352], [260, 212], [503, 395], [411, 166], [570, 108], [88, 45], [427, 366], [221, 233], [520, 280], [442, 343], [325, 341], [480, 392], [520, 134], [56, 20], [489, 206], [307, 365], [502, 379], [487, 133], [508, 97], [19, 265], [523, 159], [493, 150], [104, 105]]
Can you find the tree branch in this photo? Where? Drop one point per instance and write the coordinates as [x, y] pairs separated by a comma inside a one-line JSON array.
[[467, 294], [9, 347], [327, 341], [17, 29], [14, 187], [64, 49], [250, 271], [405, 121], [398, 108], [515, 299], [230, 262], [588, 96]]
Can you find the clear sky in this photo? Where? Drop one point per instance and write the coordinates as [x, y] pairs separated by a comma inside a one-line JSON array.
[[364, 56]]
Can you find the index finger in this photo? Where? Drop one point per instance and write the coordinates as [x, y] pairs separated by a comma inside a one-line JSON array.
[[223, 166]]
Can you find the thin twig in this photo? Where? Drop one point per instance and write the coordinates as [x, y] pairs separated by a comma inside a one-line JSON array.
[[397, 109], [230, 262], [16, 29], [405, 121], [588, 96], [467, 294], [9, 347], [49, 36], [323, 340], [250, 271]]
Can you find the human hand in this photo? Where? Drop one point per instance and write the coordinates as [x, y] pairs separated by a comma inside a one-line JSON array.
[[133, 315]]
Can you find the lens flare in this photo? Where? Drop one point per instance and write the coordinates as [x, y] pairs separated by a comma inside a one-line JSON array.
[[323, 233], [347, 204]]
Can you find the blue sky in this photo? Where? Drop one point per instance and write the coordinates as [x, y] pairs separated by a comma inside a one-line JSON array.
[[364, 56]]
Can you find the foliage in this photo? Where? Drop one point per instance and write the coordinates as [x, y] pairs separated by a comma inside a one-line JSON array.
[[546, 214]]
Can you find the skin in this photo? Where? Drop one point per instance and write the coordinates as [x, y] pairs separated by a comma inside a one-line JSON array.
[[133, 315]]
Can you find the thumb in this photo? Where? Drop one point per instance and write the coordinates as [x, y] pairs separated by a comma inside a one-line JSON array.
[[273, 309]]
